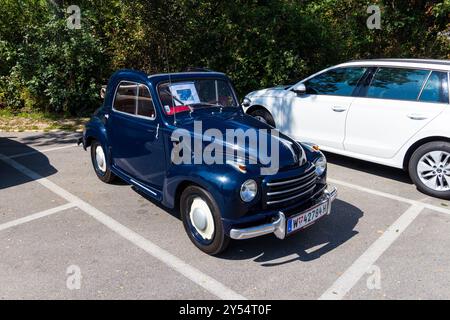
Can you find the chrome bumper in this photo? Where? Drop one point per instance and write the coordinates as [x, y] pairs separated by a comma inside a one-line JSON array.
[[277, 227]]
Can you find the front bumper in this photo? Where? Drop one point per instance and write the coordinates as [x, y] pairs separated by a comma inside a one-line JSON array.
[[278, 227]]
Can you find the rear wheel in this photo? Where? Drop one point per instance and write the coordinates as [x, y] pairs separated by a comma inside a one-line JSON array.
[[202, 220], [429, 168], [101, 167], [263, 116]]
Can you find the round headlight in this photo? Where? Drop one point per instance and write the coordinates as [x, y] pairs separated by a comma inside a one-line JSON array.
[[249, 189], [321, 165]]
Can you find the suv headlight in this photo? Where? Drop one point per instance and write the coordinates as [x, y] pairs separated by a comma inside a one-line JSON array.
[[249, 189], [246, 102], [321, 165]]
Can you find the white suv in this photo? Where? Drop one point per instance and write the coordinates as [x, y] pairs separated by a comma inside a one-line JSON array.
[[394, 112]]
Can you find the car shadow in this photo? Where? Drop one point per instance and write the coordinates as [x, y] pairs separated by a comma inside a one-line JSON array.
[[173, 212], [310, 244], [51, 138], [9, 176], [369, 167]]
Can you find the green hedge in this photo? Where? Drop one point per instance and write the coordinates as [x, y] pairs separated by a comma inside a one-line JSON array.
[[46, 66]]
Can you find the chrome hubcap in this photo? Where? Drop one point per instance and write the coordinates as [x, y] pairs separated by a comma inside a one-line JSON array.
[[100, 159], [434, 170], [202, 218]]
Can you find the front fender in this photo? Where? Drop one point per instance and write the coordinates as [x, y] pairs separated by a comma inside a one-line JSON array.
[[222, 181]]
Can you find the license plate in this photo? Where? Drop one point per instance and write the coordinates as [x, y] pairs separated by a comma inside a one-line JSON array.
[[306, 218]]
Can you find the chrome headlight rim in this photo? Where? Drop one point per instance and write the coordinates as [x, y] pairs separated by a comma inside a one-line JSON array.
[[320, 164], [248, 190]]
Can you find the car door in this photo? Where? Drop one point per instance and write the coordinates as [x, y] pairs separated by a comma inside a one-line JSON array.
[[396, 105], [319, 115], [137, 147]]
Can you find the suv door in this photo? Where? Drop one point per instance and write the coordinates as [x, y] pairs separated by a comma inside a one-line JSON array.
[[137, 148], [397, 103], [319, 115]]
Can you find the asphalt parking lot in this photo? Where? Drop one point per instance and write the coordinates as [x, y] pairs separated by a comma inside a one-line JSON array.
[[383, 240]]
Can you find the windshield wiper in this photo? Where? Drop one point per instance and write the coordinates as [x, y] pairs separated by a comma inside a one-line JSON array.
[[221, 106]]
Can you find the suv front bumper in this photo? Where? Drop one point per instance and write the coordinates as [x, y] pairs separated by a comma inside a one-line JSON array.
[[278, 227]]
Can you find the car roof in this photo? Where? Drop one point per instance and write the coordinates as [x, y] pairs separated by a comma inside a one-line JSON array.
[[186, 75], [136, 75], [434, 64]]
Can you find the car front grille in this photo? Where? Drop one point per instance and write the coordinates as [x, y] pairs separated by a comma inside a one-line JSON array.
[[292, 189]]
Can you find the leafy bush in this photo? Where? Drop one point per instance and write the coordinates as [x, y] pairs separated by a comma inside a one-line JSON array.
[[259, 43], [51, 67]]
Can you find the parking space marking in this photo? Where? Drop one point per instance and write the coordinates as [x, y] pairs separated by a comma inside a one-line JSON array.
[[36, 216], [390, 196], [15, 156], [357, 270], [208, 283]]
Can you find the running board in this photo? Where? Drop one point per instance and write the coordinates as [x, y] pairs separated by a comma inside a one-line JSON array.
[[151, 192]]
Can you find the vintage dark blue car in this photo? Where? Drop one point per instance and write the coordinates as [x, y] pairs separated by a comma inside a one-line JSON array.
[[145, 118]]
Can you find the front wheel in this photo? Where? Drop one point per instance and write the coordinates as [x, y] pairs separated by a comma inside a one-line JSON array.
[[263, 116], [98, 157], [202, 220], [429, 168]]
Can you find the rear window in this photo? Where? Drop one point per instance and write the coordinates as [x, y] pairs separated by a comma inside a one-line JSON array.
[[397, 83], [125, 99], [436, 88]]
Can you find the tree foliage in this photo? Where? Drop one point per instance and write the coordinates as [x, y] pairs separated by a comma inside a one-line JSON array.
[[259, 43]]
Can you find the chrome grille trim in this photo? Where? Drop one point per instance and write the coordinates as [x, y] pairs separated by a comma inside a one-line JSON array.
[[274, 184], [293, 189], [293, 197]]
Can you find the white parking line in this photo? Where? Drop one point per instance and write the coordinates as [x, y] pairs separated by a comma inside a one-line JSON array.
[[352, 275], [35, 216], [40, 151], [201, 279], [390, 196]]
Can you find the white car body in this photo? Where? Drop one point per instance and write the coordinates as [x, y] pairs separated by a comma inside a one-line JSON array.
[[384, 131]]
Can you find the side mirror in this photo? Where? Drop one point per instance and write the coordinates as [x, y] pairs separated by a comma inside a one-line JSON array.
[[299, 89], [103, 92]]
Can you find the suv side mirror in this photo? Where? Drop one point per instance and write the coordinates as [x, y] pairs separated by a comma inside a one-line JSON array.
[[299, 89]]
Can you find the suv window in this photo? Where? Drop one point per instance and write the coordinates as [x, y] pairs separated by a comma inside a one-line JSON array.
[[340, 82], [135, 99], [436, 88], [397, 83], [145, 103]]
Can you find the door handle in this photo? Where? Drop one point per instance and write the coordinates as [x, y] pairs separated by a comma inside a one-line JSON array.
[[339, 109], [417, 116]]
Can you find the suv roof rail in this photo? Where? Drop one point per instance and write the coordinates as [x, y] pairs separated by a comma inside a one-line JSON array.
[[406, 60]]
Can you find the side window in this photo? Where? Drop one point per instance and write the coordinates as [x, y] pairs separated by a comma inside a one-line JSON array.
[[145, 103], [397, 83], [340, 82], [436, 88], [125, 100]]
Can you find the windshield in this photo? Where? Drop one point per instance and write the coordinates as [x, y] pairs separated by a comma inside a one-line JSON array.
[[188, 95]]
